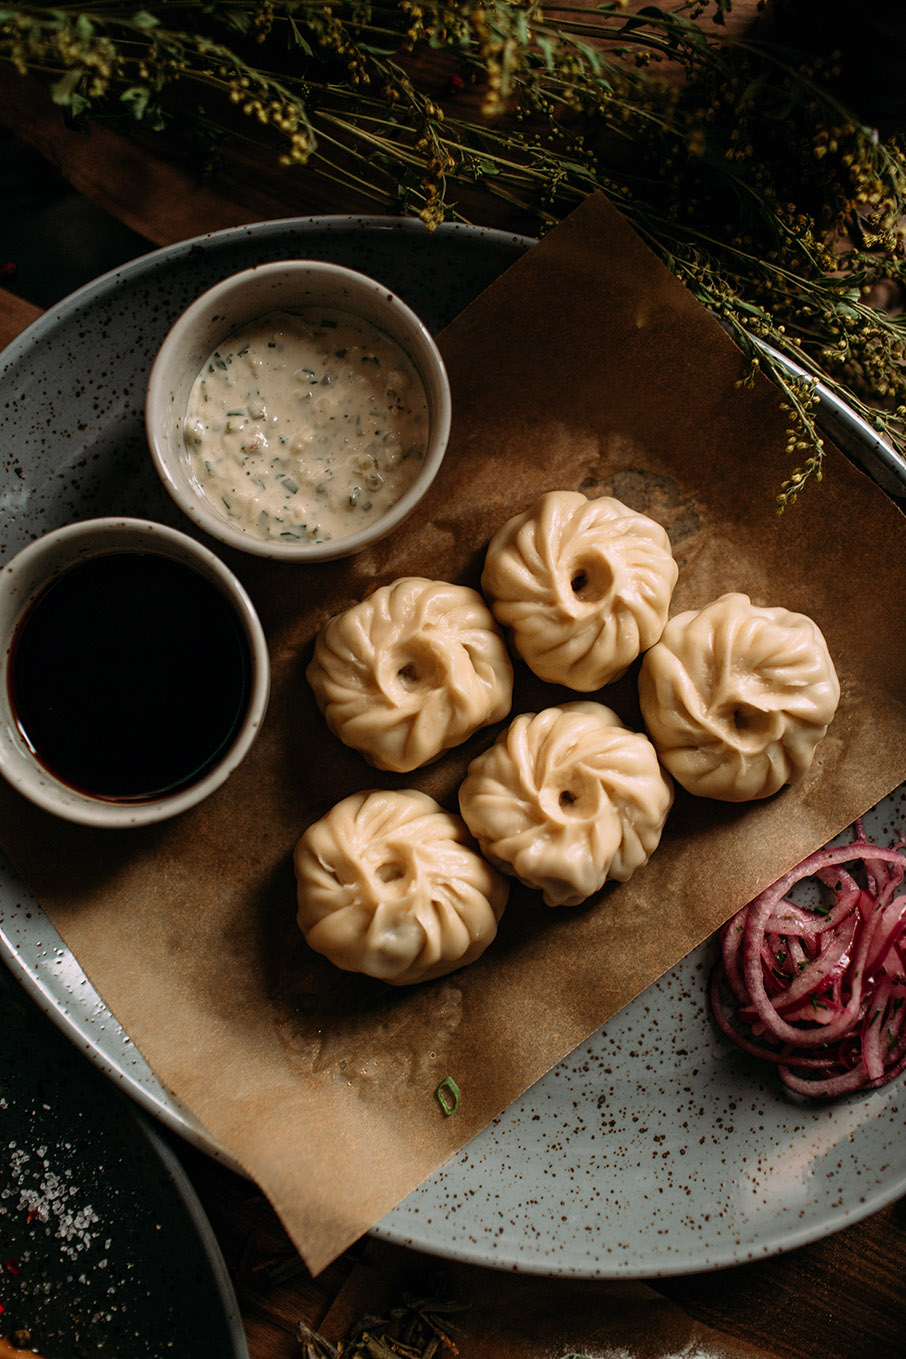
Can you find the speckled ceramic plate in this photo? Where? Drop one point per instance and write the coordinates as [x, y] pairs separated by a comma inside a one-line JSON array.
[[655, 1148], [106, 1249]]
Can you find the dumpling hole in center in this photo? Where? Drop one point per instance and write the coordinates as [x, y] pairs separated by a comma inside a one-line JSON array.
[[574, 802], [590, 581], [748, 724], [390, 871], [418, 671]]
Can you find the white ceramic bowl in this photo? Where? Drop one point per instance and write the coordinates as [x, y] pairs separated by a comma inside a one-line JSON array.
[[289, 285], [24, 578]]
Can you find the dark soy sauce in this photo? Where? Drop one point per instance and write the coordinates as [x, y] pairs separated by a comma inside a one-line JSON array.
[[129, 676]]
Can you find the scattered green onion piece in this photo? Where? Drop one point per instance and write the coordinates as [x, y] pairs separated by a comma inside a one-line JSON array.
[[448, 1095]]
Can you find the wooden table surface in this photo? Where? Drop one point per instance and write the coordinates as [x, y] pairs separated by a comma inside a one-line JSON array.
[[840, 1298]]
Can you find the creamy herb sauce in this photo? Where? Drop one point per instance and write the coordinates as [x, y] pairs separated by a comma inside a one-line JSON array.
[[306, 427]]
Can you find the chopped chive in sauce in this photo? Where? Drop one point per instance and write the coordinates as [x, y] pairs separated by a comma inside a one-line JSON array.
[[284, 448]]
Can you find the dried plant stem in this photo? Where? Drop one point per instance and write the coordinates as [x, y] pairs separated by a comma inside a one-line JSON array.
[[779, 208]]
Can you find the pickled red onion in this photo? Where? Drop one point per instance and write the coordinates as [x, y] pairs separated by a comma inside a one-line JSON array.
[[821, 992]]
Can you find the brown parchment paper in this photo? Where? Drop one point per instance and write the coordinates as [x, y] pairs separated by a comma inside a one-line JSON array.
[[585, 366]]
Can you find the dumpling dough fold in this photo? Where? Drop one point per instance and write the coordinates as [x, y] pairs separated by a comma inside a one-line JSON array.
[[736, 697], [566, 799], [390, 884], [411, 671], [583, 585]]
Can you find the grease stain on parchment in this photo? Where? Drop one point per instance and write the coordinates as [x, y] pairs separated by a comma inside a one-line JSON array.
[[363, 1032], [660, 497]]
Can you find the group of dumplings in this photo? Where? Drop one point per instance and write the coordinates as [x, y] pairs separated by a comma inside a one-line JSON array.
[[735, 698]]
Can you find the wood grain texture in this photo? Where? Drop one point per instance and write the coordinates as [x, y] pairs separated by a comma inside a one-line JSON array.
[[15, 315], [842, 1298]]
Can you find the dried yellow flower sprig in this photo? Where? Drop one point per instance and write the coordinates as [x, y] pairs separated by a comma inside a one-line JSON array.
[[779, 208]]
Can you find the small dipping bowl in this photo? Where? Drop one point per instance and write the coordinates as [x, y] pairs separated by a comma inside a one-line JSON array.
[[151, 726], [285, 286]]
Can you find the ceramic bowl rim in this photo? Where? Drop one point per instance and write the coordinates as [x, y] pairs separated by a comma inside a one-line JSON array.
[[408, 330]]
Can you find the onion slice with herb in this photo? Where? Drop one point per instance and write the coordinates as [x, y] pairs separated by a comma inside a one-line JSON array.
[[820, 990]]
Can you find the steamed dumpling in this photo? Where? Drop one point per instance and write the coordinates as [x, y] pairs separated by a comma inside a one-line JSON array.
[[389, 884], [583, 585], [411, 671], [566, 799], [736, 698]]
